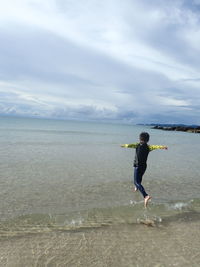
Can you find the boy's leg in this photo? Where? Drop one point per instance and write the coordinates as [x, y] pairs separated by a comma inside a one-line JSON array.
[[134, 180], [138, 173]]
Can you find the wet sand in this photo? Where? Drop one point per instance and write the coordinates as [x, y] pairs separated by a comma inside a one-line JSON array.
[[174, 242]]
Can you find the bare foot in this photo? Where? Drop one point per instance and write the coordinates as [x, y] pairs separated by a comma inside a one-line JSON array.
[[146, 200], [135, 189]]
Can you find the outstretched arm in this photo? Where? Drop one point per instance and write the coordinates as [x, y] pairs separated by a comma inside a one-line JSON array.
[[130, 145], [153, 147]]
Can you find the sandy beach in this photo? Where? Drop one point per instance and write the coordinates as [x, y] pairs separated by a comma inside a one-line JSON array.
[[174, 242]]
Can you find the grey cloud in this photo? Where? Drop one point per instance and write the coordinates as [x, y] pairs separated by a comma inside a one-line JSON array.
[[190, 80], [40, 62], [40, 55], [51, 59], [193, 5]]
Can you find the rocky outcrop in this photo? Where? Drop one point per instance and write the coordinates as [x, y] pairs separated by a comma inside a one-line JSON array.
[[190, 129]]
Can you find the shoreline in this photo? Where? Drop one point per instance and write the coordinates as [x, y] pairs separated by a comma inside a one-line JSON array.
[[172, 244], [188, 129]]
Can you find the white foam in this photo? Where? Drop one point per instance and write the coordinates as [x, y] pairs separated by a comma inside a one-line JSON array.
[[133, 202], [76, 222], [179, 206]]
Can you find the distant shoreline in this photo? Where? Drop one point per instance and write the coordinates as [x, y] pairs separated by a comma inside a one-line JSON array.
[[181, 128]]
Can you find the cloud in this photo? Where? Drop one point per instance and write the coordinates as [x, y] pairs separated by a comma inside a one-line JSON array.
[[104, 60]]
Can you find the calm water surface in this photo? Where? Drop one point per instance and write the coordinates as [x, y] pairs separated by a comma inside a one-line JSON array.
[[63, 175]]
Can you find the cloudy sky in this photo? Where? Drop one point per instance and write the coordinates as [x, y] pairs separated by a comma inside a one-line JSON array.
[[132, 61]]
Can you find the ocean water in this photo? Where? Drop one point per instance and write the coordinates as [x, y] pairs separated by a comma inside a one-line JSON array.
[[73, 176]]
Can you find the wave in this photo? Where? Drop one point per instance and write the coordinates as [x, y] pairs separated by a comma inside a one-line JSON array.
[[155, 215]]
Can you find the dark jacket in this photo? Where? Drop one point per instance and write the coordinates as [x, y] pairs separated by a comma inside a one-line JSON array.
[[141, 155]]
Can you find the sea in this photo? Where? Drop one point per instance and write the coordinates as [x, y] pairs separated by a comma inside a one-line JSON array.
[[66, 195]]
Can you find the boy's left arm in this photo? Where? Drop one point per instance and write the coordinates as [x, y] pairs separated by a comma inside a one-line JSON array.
[[153, 147]]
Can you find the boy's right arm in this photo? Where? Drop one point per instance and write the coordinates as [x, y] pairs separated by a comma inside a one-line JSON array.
[[153, 147], [130, 145]]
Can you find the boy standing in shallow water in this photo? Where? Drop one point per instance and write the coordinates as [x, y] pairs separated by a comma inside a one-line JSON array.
[[140, 162]]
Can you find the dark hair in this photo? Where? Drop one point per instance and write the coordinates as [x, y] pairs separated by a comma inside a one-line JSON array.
[[144, 136]]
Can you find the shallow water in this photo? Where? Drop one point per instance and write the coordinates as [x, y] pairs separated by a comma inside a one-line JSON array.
[[65, 180], [175, 242]]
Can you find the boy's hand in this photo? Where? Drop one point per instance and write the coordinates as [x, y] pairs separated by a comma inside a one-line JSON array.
[[124, 145]]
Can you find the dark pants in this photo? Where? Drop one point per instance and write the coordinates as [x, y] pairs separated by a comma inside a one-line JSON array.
[[138, 173]]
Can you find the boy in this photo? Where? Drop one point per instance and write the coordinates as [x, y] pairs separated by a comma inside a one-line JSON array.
[[140, 165]]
